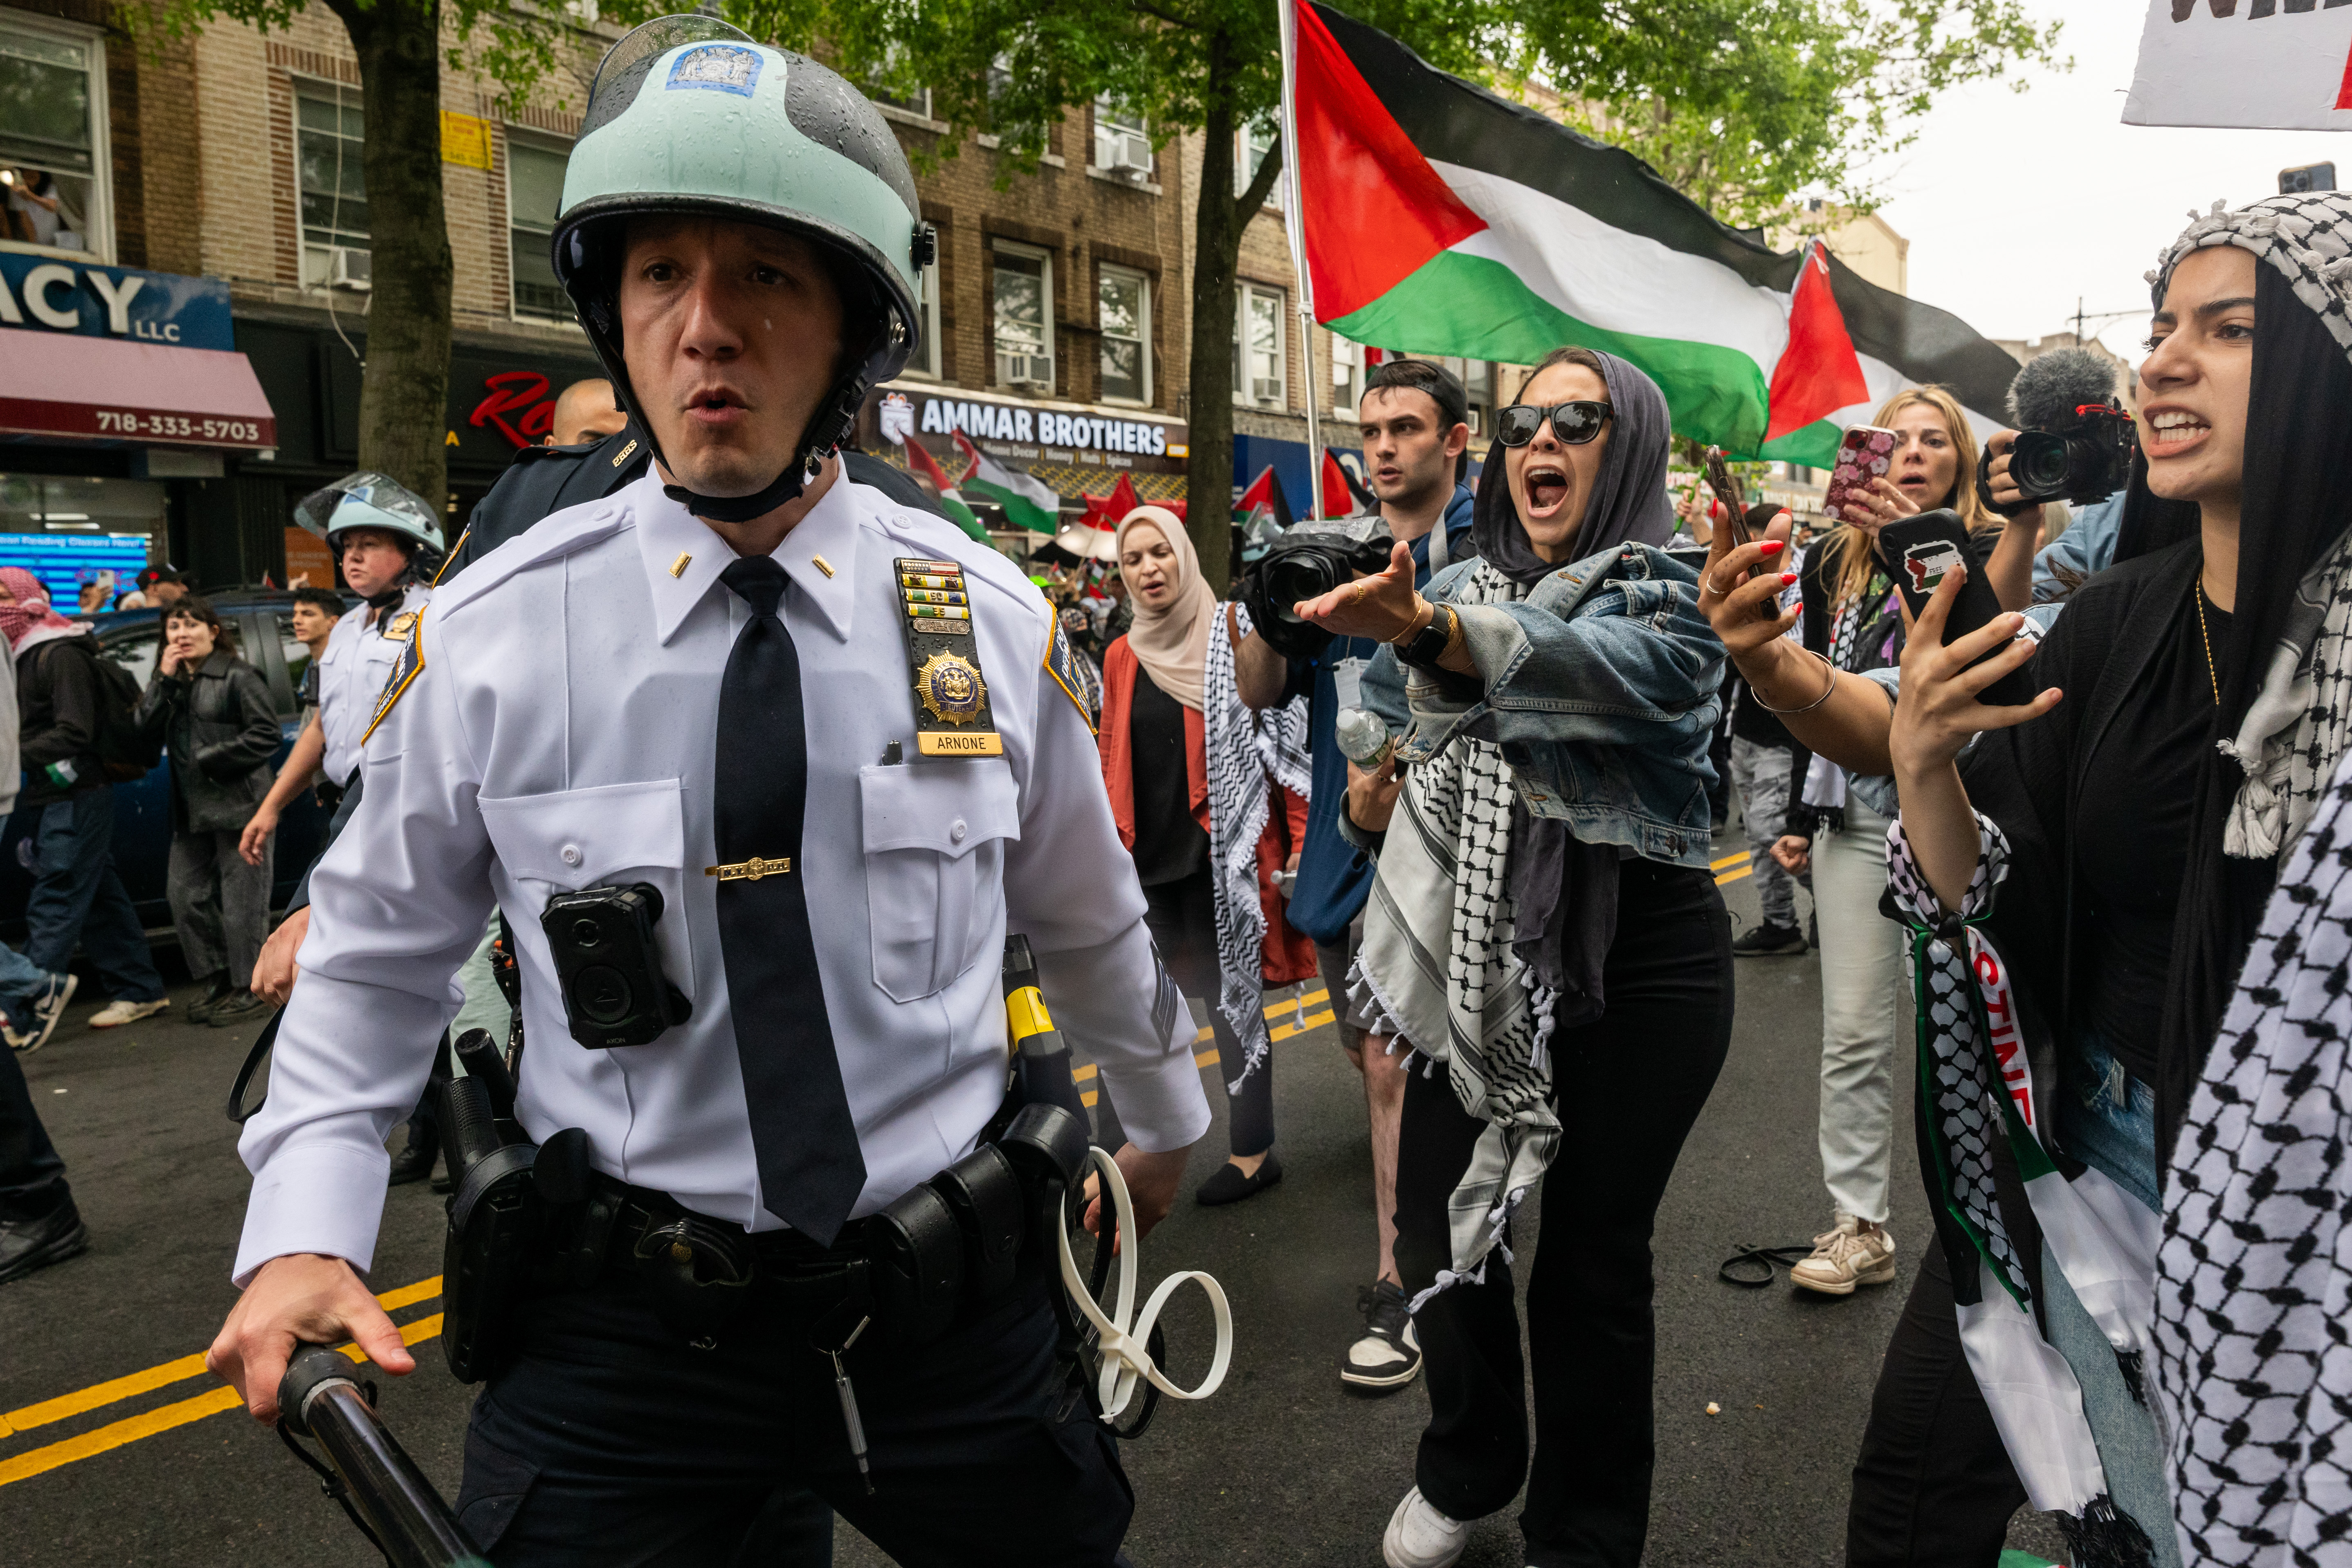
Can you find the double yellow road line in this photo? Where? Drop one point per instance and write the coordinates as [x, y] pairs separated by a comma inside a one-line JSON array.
[[1310, 1010], [162, 1417]]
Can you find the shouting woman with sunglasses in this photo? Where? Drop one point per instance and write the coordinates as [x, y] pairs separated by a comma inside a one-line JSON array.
[[1543, 926]]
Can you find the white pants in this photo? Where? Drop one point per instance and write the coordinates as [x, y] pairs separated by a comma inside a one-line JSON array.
[[1865, 1004]]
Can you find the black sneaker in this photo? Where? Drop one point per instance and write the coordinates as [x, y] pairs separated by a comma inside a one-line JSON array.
[[217, 991], [238, 1007], [1770, 941], [1389, 1355], [26, 1245], [1226, 1184]]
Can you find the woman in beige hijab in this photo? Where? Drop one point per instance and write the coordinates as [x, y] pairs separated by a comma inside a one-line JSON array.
[[1156, 752]]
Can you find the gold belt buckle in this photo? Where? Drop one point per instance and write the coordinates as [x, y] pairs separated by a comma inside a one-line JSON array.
[[750, 870]]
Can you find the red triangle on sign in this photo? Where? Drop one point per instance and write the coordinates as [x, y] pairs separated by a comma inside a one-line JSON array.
[[1374, 211], [1819, 371]]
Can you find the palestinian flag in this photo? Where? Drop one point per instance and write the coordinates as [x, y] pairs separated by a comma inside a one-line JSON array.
[[1264, 498], [1442, 219], [1342, 496], [926, 467], [1027, 500]]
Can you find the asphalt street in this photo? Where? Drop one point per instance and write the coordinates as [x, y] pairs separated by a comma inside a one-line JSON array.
[[116, 1447]]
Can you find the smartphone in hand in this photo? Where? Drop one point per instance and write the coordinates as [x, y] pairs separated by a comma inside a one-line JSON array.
[[1917, 552], [1865, 453]]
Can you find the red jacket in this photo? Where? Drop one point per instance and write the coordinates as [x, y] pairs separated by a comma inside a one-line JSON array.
[[1286, 954]]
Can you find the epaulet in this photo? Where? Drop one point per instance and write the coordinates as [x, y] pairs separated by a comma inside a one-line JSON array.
[[566, 533]]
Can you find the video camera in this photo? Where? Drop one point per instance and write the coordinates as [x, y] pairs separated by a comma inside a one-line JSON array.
[[1307, 562], [2075, 440]]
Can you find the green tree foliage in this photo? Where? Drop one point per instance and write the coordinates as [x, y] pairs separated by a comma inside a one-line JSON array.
[[1744, 103], [403, 47]]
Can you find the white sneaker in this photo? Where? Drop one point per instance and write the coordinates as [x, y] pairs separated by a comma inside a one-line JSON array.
[[123, 1010], [1844, 1256], [1418, 1536], [48, 1008]]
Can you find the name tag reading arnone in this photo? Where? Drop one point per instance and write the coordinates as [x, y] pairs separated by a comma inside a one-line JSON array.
[[952, 716]]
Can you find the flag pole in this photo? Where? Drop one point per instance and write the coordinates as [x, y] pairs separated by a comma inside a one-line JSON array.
[[1293, 225]]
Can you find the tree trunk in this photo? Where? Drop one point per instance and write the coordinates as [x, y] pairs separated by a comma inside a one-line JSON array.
[[1219, 218], [1216, 252], [405, 390]]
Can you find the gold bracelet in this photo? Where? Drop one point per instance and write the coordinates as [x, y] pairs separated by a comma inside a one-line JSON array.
[[1414, 626], [1809, 707]]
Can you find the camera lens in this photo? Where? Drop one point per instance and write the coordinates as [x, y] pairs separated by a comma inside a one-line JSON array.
[[2037, 464], [587, 933], [1303, 575]]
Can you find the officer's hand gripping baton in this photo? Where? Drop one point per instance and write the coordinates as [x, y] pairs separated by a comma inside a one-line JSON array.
[[378, 1485]]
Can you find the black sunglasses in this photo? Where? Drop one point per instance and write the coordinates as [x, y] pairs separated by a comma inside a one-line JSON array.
[[1574, 423]]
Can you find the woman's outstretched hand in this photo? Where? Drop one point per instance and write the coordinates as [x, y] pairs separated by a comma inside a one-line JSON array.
[[1382, 606], [1938, 711], [1742, 609]]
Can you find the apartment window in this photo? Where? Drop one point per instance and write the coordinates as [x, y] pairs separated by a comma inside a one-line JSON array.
[[327, 140], [1124, 314], [1122, 142], [1478, 380], [1348, 375], [1256, 142], [53, 164], [1259, 346], [534, 197], [925, 361], [916, 103], [1023, 291]]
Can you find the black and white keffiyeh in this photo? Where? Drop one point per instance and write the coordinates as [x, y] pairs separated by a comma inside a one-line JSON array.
[[1976, 1081], [2253, 1329], [1248, 752], [1437, 971], [2298, 727]]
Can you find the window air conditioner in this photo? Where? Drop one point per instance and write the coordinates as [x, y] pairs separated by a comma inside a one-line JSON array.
[[1024, 369], [349, 269], [1127, 153]]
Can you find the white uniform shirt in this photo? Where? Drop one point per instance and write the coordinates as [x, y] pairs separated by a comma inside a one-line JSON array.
[[350, 678], [562, 734]]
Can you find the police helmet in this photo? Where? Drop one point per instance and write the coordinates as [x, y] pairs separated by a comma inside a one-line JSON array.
[[689, 115], [370, 500]]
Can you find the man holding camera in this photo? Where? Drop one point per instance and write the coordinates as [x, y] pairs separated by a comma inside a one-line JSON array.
[[674, 720], [1417, 434]]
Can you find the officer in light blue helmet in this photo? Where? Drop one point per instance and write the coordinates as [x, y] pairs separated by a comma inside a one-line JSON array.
[[763, 769]]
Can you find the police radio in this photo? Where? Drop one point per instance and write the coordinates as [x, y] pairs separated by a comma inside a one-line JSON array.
[[609, 968]]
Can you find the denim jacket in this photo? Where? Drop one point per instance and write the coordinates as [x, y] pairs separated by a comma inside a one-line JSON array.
[[1602, 687]]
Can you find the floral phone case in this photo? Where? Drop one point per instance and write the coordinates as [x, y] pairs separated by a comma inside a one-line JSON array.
[[1866, 453]]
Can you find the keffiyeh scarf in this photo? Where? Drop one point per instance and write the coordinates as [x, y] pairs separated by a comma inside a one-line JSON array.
[[1977, 1089], [1437, 971], [2299, 726], [1248, 753], [2257, 1259]]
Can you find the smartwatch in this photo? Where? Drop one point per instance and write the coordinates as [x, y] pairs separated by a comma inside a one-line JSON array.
[[1428, 645]]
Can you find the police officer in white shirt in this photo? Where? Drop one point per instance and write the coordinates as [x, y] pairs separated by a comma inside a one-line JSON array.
[[706, 684]]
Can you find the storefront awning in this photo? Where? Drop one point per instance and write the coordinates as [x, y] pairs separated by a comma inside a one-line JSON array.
[[67, 383]]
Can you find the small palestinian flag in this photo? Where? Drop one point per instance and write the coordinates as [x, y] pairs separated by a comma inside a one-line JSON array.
[[926, 467], [1027, 500], [1343, 495], [1442, 219]]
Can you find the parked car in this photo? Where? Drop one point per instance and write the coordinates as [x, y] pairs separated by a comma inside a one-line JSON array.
[[263, 619]]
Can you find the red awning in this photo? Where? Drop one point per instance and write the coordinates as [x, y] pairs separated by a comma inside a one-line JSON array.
[[67, 383]]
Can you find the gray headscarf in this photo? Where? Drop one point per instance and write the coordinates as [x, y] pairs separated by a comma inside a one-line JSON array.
[[1629, 500]]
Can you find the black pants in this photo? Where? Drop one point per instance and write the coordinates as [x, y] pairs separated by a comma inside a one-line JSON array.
[[1627, 1089], [32, 1177], [612, 1442], [1183, 919], [1933, 1488]]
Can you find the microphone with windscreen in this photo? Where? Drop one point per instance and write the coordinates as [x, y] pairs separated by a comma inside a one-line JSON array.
[[2074, 437]]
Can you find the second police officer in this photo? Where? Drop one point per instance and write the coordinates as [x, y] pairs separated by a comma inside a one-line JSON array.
[[828, 730]]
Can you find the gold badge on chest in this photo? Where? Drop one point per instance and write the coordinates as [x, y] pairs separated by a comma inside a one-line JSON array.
[[953, 718]]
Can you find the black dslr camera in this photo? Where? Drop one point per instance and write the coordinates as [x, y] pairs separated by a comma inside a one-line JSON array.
[[2087, 460], [1307, 562]]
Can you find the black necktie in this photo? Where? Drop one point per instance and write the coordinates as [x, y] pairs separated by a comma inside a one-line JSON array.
[[811, 1171]]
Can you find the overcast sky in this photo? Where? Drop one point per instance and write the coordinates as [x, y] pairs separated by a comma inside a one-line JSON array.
[[2015, 204]]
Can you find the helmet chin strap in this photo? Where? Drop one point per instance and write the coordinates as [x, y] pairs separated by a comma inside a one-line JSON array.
[[785, 486]]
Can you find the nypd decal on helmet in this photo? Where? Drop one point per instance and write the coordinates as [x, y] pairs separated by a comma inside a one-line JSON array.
[[719, 67]]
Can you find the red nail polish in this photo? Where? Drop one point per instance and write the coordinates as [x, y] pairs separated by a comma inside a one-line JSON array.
[[1787, 578], [1773, 546]]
